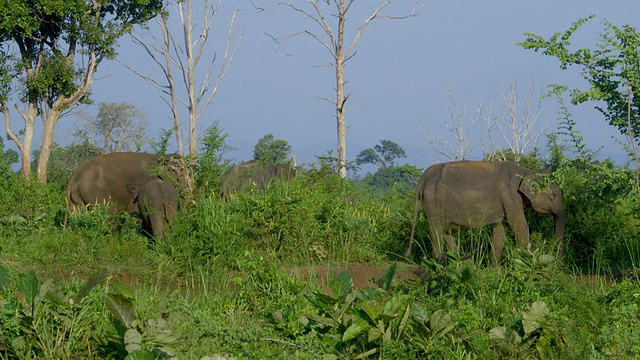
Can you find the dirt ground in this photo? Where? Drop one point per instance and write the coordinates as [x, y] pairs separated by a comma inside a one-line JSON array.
[[363, 275]]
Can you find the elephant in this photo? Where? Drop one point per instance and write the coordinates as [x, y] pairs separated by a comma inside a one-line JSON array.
[[157, 203], [106, 179], [472, 194], [253, 173]]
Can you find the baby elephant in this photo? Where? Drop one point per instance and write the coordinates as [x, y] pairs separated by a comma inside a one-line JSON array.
[[157, 202]]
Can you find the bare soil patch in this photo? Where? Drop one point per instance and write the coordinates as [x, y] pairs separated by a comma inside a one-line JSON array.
[[363, 275]]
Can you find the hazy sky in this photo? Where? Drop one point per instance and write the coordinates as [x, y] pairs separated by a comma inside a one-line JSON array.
[[397, 81]]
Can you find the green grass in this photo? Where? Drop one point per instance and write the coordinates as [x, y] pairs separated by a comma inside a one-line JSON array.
[[221, 284]]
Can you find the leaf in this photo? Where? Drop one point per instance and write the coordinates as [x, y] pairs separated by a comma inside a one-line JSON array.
[[531, 319], [42, 292], [374, 334], [355, 329], [28, 288], [132, 340], [321, 301], [5, 277], [123, 289], [121, 308], [545, 259], [440, 324], [367, 353], [394, 304], [404, 319], [504, 334], [90, 283], [342, 284], [140, 355], [388, 276], [372, 309], [58, 296]]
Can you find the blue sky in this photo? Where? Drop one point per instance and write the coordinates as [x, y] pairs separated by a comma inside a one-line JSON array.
[[397, 80]]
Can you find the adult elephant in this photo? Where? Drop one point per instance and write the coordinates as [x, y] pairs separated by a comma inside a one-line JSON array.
[[471, 194], [157, 203], [255, 174], [116, 178]]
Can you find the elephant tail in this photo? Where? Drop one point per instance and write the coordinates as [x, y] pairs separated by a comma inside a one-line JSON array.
[[415, 219]]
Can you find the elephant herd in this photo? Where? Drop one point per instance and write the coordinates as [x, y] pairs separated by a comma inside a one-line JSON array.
[[453, 195], [150, 185]]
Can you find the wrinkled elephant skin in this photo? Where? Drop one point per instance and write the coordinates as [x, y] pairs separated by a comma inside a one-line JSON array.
[[157, 203], [108, 179], [472, 194], [253, 174]]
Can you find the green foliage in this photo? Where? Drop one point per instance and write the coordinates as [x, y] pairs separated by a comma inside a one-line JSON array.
[[7, 159], [142, 338], [610, 69], [211, 165], [399, 179], [383, 154], [271, 151], [373, 321], [601, 204], [48, 321], [46, 29]]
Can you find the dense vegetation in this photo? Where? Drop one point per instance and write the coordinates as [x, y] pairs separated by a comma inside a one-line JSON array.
[[223, 284]]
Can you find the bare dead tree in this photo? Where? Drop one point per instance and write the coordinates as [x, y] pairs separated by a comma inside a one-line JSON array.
[[332, 38], [518, 120], [168, 52], [455, 145], [514, 122]]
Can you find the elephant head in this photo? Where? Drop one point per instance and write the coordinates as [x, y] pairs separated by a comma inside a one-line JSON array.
[[471, 194], [157, 203], [544, 199]]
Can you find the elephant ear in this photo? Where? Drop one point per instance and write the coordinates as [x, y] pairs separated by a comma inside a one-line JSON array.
[[526, 188], [132, 190]]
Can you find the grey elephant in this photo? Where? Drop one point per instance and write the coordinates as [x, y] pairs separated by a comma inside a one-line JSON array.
[[157, 203], [253, 174], [105, 179], [471, 194]]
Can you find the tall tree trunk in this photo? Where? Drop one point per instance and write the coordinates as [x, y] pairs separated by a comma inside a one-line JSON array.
[[45, 148], [340, 96], [191, 79]]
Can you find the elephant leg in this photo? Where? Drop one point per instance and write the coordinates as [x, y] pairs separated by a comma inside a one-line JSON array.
[[518, 224], [497, 244]]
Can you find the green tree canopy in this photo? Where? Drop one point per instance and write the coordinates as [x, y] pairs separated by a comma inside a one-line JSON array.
[[49, 53], [271, 151], [612, 69], [7, 159], [382, 155]]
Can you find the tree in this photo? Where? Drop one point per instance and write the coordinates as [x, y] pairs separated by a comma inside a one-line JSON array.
[[271, 151], [51, 51], [332, 38], [513, 127], [64, 160], [383, 154], [168, 52], [211, 165], [117, 127], [612, 70]]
